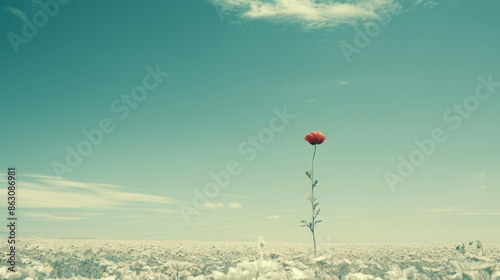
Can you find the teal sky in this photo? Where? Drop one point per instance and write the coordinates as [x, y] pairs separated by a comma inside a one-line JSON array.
[[231, 65]]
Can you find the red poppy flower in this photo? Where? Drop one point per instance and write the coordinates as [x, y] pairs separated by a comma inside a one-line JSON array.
[[315, 138]]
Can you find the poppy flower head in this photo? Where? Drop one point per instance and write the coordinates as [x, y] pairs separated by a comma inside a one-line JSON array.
[[315, 138]]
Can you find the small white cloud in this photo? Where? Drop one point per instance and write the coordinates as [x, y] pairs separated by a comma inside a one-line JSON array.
[[234, 205], [273, 217], [343, 83], [482, 174], [213, 206], [210, 205]]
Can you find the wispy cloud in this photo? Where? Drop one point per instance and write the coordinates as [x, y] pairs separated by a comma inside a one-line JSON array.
[[309, 13], [39, 216], [317, 14], [47, 192], [38, 176], [342, 83], [18, 13], [218, 205], [427, 3]]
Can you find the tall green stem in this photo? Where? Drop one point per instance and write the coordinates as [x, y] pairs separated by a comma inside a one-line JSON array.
[[312, 200]]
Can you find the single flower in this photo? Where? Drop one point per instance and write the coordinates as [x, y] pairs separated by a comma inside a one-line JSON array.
[[315, 138]]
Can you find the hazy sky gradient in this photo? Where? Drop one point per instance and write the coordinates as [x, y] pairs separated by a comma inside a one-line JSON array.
[[229, 68]]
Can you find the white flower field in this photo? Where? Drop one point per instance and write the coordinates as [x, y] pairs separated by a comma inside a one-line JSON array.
[[39, 258]]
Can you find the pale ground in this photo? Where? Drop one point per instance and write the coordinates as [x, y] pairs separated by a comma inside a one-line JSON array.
[[113, 259]]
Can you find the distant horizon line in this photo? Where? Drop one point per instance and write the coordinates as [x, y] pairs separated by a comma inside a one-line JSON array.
[[267, 240]]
